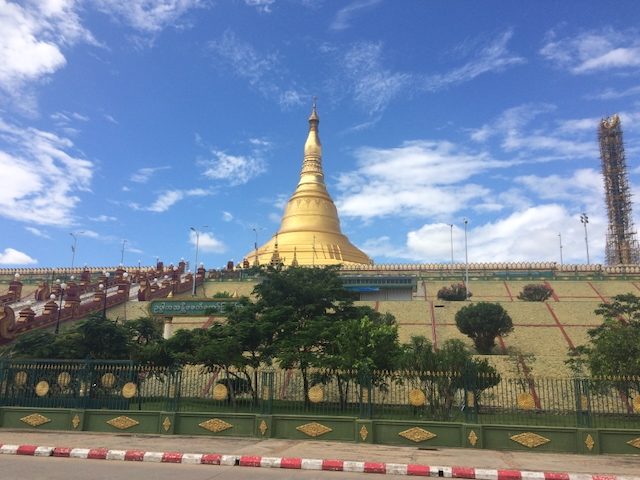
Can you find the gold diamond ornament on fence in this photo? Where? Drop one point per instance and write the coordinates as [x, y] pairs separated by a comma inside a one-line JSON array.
[[417, 434], [530, 439]]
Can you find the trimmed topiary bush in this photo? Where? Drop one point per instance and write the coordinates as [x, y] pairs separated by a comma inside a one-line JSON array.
[[454, 293], [535, 292]]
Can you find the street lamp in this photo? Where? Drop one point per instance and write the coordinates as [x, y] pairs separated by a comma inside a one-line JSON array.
[[560, 237], [584, 220], [124, 242], [105, 288], [451, 227], [73, 247], [63, 286], [193, 292], [466, 263]]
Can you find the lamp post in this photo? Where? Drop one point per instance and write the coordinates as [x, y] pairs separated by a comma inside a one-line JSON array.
[[124, 242], [451, 227], [63, 286], [105, 288], [466, 263], [193, 291], [584, 220], [560, 238], [73, 247]]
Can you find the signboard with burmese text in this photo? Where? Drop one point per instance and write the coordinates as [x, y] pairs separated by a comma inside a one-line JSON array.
[[191, 308]]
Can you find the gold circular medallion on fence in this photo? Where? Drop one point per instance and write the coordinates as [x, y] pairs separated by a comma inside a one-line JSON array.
[[220, 392], [108, 380], [21, 378], [636, 404], [525, 401], [64, 379], [316, 394], [129, 390], [42, 387], [417, 398]]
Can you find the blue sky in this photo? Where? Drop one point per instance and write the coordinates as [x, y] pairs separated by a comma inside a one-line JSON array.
[[138, 119]]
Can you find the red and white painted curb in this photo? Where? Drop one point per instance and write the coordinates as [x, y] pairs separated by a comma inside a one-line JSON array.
[[299, 463]]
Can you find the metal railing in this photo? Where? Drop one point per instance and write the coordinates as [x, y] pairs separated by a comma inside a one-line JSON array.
[[611, 402]]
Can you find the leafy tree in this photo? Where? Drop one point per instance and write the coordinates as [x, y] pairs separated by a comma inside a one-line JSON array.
[[454, 293], [301, 304], [34, 344], [362, 344], [535, 292], [444, 372], [145, 330], [482, 322], [614, 348]]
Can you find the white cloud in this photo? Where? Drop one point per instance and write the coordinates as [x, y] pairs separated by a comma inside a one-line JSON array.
[[526, 235], [344, 16], [143, 175], [610, 93], [593, 51], [233, 169], [583, 183], [263, 71], [169, 198], [37, 232], [263, 6], [227, 217], [539, 144], [32, 37], [103, 218], [89, 234], [493, 57], [11, 256], [41, 178], [207, 242], [373, 85], [149, 16], [414, 179]]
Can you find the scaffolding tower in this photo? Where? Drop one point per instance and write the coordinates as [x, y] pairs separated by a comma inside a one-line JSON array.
[[622, 243]]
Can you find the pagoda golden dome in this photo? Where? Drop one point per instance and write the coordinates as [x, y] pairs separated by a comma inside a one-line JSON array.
[[309, 233]]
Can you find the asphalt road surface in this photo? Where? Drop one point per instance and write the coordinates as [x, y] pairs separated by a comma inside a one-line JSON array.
[[16, 467]]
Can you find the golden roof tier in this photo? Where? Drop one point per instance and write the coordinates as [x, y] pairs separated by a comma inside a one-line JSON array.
[[310, 230]]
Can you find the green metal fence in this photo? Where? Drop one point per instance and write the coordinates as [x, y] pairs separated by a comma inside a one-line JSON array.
[[426, 396]]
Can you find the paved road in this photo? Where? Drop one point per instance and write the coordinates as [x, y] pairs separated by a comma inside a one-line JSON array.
[[48, 468], [549, 462]]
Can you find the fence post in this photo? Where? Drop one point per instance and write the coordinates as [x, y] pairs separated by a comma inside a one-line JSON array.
[[266, 404], [365, 393], [582, 402]]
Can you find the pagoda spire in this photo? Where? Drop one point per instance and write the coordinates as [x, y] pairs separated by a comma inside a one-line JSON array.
[[309, 232]]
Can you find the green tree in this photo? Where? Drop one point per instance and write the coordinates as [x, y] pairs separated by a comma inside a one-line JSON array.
[[301, 304], [614, 346], [444, 372], [482, 322], [144, 330], [363, 343]]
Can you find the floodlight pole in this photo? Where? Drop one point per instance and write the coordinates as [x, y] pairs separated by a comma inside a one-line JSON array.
[[585, 220]]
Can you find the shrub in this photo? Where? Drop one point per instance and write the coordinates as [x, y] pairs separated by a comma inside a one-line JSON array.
[[535, 292], [456, 292]]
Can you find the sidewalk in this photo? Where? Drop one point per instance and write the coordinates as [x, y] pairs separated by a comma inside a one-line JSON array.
[[619, 465]]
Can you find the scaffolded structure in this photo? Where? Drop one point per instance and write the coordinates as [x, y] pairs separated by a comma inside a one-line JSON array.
[[622, 243]]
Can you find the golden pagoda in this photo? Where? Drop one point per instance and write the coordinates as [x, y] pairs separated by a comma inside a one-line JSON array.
[[309, 233]]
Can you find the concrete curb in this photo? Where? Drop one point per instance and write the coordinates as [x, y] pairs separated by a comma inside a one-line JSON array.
[[299, 463]]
